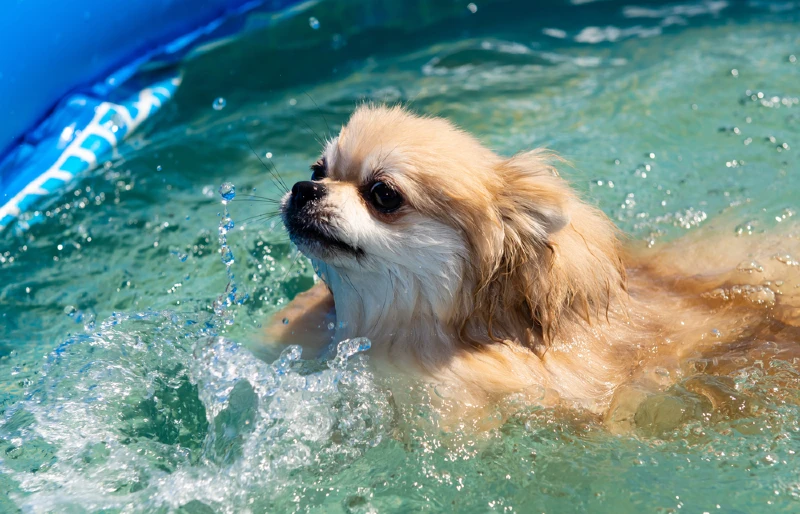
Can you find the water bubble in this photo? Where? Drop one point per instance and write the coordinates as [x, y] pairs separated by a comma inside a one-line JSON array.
[[268, 156], [219, 104], [285, 321], [472, 7], [159, 168], [442, 391], [227, 191], [313, 23]]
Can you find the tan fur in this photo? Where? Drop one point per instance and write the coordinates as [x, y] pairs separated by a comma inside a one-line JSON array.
[[549, 305]]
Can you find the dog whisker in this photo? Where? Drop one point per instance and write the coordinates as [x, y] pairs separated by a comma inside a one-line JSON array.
[[274, 171], [267, 215], [320, 113]]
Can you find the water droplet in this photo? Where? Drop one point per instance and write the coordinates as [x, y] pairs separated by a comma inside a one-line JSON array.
[[227, 256], [313, 23], [746, 228], [219, 104], [227, 191], [786, 259], [750, 267], [472, 7]]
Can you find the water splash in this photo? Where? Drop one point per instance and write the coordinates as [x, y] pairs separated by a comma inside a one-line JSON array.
[[231, 296], [346, 349], [154, 412]]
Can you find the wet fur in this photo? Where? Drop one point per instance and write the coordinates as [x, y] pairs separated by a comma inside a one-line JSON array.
[[497, 279]]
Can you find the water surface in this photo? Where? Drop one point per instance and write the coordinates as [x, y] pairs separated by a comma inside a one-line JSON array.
[[118, 394]]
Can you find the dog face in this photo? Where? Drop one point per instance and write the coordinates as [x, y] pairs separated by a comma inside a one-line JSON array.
[[373, 194], [372, 208], [422, 207]]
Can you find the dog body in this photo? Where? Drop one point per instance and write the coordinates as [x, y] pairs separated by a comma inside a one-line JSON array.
[[489, 277]]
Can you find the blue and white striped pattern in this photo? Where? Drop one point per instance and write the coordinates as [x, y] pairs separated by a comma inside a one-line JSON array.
[[88, 145]]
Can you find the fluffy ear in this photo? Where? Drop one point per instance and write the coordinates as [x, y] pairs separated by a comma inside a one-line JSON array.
[[531, 205], [534, 199], [544, 258]]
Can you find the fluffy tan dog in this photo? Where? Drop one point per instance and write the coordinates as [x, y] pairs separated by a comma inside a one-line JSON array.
[[489, 277]]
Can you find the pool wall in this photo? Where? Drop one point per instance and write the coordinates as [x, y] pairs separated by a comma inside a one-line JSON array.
[[66, 97]]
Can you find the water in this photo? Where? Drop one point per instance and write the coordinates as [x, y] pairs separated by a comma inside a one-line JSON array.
[[133, 370], [219, 104]]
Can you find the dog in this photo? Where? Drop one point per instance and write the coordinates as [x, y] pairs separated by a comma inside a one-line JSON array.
[[490, 278]]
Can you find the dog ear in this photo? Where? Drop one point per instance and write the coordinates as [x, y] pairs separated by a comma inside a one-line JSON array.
[[546, 259], [534, 199], [515, 250]]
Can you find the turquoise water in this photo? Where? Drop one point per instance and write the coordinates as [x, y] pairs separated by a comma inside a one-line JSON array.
[[134, 378]]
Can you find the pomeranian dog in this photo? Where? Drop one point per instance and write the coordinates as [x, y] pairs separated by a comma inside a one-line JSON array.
[[490, 278]]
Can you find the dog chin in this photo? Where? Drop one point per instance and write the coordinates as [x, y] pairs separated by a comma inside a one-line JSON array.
[[318, 244]]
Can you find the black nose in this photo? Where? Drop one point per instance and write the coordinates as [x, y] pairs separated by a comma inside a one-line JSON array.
[[306, 191]]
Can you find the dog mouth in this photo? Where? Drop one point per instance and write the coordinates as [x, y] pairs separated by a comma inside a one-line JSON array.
[[313, 237]]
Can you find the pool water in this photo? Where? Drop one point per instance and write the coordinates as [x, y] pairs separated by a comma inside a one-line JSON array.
[[134, 373]]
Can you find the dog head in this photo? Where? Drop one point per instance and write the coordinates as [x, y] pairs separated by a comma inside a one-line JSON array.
[[485, 245]]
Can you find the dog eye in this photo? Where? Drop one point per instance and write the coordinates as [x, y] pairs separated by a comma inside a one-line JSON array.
[[318, 170], [384, 198]]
